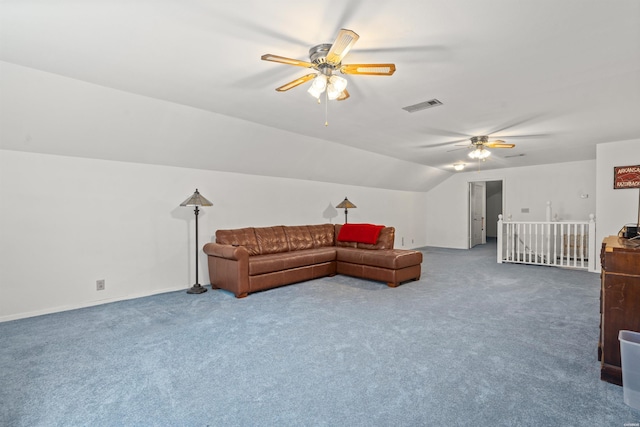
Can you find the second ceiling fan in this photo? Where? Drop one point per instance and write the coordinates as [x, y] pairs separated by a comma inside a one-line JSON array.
[[479, 145], [326, 59]]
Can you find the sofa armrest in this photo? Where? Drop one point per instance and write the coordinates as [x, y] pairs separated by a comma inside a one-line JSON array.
[[228, 268], [226, 251]]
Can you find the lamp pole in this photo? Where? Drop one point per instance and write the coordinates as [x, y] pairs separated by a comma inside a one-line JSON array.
[[196, 289]]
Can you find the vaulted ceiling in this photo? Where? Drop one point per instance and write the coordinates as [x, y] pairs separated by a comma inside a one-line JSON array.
[[553, 77]]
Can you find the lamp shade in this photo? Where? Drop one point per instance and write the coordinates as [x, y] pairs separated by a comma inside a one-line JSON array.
[[196, 199], [346, 204], [339, 83], [318, 85], [320, 82], [314, 92], [335, 87]]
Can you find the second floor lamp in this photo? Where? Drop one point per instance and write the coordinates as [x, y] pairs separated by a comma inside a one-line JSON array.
[[346, 204], [196, 200]]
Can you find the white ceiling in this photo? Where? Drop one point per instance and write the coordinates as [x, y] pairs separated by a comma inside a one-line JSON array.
[[554, 77]]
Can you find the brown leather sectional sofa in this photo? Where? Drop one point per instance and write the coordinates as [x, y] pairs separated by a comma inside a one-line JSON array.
[[247, 260]]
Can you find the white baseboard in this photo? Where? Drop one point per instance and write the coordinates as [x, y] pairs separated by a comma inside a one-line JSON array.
[[85, 305]]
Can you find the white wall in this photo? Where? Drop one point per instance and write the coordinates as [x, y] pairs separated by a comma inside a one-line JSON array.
[[526, 187], [66, 222], [615, 207]]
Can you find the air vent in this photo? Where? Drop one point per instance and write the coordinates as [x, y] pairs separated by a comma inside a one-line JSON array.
[[422, 106], [515, 155]]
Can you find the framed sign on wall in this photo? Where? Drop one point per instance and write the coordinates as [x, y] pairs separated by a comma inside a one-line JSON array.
[[626, 177]]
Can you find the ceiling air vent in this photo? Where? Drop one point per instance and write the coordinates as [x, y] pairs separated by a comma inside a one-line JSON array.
[[422, 106]]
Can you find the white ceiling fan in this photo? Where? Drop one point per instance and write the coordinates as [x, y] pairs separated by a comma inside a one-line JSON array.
[[479, 145], [326, 60]]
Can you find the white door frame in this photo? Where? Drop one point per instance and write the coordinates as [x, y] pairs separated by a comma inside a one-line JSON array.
[[484, 209]]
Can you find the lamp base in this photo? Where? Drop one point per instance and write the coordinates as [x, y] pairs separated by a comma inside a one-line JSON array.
[[196, 289]]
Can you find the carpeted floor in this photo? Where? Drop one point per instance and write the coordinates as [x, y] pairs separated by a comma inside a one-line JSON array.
[[472, 343]]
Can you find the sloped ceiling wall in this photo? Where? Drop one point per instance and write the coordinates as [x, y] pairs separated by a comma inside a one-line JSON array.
[[47, 113]]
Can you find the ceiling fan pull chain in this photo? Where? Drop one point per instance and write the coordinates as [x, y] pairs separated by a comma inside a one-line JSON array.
[[326, 108]]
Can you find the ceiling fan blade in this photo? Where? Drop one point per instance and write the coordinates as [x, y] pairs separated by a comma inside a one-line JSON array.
[[369, 69], [344, 95], [344, 42], [536, 135], [456, 149], [515, 123], [288, 61], [499, 144], [403, 49], [296, 82], [442, 144]]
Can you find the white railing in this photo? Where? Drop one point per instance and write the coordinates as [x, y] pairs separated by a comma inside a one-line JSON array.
[[569, 244]]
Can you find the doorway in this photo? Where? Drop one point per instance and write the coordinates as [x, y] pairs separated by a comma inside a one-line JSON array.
[[486, 201]]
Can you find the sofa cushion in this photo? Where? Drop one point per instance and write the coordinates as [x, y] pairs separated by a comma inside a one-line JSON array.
[[239, 237], [339, 243], [385, 240], [298, 237], [271, 240], [346, 244], [386, 258], [322, 235], [283, 261]]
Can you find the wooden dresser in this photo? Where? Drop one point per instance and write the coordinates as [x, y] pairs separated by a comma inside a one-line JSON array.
[[619, 301]]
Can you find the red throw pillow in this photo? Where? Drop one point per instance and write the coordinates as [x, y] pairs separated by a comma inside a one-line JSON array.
[[361, 233]]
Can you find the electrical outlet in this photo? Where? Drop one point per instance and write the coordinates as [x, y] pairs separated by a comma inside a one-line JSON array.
[[100, 285]]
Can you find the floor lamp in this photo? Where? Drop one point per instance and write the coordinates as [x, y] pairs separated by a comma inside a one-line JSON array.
[[346, 204], [196, 200]]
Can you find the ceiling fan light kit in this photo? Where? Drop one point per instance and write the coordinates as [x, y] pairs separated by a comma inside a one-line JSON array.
[[480, 153], [334, 86]]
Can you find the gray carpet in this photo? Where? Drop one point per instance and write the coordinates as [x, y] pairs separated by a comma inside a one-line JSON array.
[[472, 343]]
